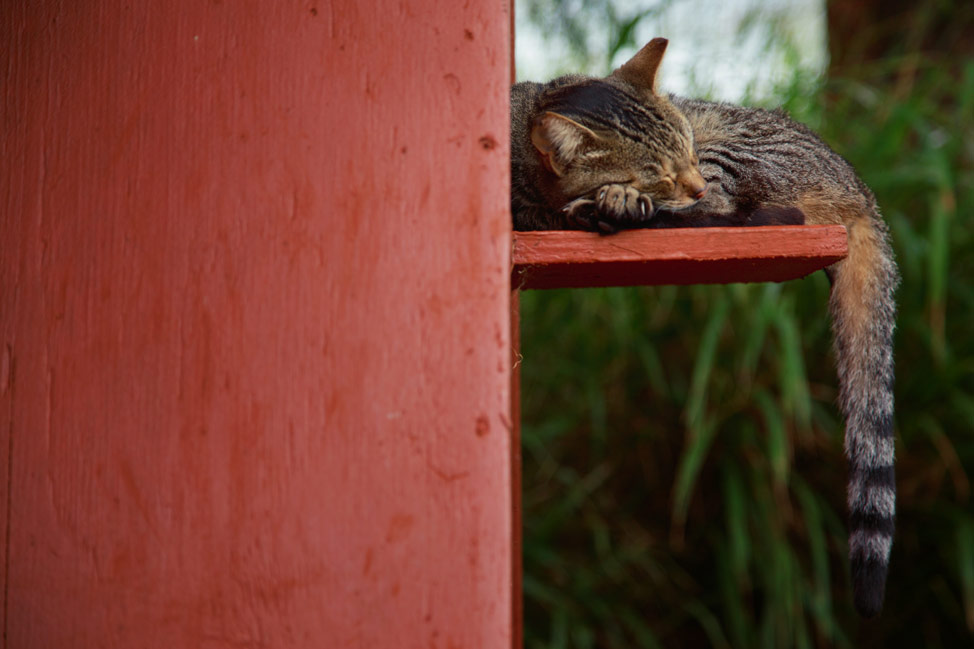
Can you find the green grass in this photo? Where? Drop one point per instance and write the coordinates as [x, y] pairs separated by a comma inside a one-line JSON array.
[[683, 469]]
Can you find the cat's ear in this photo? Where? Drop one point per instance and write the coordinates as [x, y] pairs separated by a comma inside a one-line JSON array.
[[559, 139], [641, 69]]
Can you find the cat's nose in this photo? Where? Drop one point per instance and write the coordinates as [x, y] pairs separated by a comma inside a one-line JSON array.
[[696, 190], [694, 184]]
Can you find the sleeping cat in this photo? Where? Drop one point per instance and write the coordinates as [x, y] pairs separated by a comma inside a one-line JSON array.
[[613, 153]]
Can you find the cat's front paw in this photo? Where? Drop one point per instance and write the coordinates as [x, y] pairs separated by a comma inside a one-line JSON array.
[[581, 213], [609, 209], [623, 205]]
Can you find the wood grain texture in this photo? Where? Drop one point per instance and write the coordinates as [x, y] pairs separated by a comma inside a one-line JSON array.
[[572, 259], [255, 302]]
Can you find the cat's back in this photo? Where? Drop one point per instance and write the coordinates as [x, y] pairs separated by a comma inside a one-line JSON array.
[[767, 154], [722, 122]]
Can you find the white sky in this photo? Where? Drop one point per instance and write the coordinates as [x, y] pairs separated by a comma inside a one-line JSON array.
[[711, 52]]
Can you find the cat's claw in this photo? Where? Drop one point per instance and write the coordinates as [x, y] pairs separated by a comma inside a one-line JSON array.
[[624, 205], [577, 205], [582, 213], [613, 207]]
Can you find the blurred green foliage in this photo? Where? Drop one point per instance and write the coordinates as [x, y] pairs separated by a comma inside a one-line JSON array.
[[684, 482], [594, 30]]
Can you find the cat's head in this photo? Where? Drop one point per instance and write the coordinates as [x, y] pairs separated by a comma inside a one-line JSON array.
[[618, 130]]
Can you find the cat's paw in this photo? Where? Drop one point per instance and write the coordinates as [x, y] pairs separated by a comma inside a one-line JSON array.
[[581, 213], [623, 205]]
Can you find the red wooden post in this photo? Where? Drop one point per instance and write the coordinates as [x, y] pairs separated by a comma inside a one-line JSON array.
[[254, 324]]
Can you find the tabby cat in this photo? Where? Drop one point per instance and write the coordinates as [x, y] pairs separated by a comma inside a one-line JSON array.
[[612, 153]]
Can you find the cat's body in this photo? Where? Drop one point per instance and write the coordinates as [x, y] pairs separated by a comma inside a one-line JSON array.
[[760, 168]]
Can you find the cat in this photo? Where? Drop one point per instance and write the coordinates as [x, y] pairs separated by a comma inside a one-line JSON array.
[[614, 153]]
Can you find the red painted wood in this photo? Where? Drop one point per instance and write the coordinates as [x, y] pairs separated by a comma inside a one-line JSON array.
[[517, 546], [6, 415], [254, 285], [516, 482], [572, 259]]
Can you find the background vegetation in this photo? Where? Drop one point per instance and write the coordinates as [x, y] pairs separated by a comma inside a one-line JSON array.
[[683, 469]]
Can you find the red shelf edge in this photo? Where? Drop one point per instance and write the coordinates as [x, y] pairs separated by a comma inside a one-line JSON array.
[[575, 259]]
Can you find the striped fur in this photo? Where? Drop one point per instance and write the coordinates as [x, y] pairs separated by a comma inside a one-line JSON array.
[[754, 158], [574, 135], [760, 167]]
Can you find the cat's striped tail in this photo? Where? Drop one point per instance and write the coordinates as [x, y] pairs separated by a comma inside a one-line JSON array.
[[863, 312]]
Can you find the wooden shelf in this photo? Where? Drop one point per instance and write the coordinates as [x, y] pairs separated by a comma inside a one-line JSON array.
[[574, 259]]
